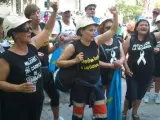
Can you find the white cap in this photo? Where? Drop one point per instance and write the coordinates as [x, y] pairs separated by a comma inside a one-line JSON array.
[[90, 4], [104, 19], [13, 21], [158, 18], [83, 22]]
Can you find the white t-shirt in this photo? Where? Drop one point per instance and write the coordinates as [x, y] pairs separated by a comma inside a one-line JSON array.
[[66, 30], [1, 49]]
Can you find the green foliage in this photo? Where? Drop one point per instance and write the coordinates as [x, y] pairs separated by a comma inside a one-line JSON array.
[[129, 11], [157, 4]]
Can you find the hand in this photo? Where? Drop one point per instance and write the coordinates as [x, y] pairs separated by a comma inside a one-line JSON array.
[[129, 72], [60, 39], [113, 10], [26, 88], [117, 64], [55, 4], [79, 57], [156, 50]]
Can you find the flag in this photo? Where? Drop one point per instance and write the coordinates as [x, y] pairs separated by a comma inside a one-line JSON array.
[[54, 57], [114, 97]]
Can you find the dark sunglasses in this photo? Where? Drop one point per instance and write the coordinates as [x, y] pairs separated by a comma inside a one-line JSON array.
[[155, 13], [108, 27], [23, 28], [91, 8]]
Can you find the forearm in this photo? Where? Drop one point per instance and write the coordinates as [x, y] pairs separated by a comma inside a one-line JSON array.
[[105, 65], [114, 27], [126, 65], [5, 86], [66, 63], [51, 22]]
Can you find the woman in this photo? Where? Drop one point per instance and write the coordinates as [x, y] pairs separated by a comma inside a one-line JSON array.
[[140, 65], [32, 12], [85, 54], [46, 16], [21, 76], [111, 55]]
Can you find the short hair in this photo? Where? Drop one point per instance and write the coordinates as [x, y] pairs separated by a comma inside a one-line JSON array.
[[30, 9], [1, 20]]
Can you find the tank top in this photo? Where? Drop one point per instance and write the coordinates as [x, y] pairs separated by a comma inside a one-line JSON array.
[[24, 68], [89, 67], [44, 50], [141, 57], [112, 53]]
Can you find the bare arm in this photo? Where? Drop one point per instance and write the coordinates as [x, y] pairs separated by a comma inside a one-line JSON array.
[[43, 36], [67, 53], [157, 35], [101, 39], [122, 55]]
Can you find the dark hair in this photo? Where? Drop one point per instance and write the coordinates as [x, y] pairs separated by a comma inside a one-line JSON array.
[[136, 32], [1, 20], [30, 9], [101, 27]]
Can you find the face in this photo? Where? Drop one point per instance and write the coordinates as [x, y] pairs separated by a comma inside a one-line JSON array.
[[23, 33], [155, 14], [89, 33], [90, 11], [143, 28], [1, 32], [158, 25], [66, 15], [107, 26], [36, 17]]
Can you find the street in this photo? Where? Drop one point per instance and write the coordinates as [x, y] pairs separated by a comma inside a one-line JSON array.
[[148, 111]]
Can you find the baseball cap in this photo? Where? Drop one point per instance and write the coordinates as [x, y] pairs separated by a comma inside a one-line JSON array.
[[13, 21], [90, 4]]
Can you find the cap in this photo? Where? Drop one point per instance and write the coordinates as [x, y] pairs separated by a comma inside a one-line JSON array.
[[13, 21], [90, 4], [83, 22]]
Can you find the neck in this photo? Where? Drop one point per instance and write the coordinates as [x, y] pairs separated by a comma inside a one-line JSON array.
[[86, 43], [21, 46], [140, 37], [35, 26], [67, 22], [90, 16]]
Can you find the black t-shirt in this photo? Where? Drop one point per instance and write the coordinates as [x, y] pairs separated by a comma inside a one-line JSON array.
[[89, 67], [112, 54], [141, 57], [44, 50], [24, 68]]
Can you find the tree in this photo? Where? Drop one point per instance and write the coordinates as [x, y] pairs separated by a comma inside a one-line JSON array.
[[7, 2], [157, 4], [129, 11]]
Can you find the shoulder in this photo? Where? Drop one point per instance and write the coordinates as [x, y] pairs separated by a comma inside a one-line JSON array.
[[32, 48]]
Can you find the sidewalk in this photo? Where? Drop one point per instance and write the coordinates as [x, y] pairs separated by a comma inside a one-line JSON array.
[[148, 111]]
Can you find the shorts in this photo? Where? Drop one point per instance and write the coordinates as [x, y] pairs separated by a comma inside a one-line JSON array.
[[49, 87], [137, 87]]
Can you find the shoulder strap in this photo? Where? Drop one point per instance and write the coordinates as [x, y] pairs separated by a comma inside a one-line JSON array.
[[105, 55], [60, 26]]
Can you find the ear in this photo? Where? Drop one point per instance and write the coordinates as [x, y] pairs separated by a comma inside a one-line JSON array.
[[82, 31]]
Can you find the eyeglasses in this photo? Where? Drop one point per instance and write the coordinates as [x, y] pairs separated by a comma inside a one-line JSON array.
[[91, 8], [23, 28]]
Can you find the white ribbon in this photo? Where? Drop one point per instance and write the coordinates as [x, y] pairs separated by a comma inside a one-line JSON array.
[[141, 58], [113, 55]]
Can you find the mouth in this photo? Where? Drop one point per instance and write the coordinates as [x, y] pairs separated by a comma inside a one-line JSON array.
[[143, 30]]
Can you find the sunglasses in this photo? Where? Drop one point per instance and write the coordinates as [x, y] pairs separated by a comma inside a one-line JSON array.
[[23, 28], [155, 13], [108, 27], [91, 8]]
